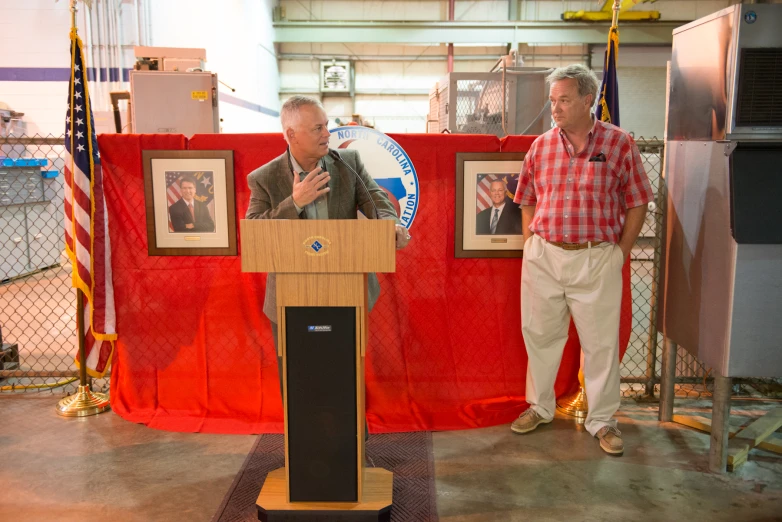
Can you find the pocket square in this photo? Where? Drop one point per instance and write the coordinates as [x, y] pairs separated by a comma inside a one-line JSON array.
[[599, 158]]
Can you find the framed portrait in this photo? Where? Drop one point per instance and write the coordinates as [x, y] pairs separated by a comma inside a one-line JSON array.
[[190, 202], [488, 222]]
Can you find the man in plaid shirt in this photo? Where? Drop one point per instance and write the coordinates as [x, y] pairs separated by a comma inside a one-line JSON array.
[[583, 194]]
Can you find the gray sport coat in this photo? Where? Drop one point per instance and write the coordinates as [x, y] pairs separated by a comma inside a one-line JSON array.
[[271, 189]]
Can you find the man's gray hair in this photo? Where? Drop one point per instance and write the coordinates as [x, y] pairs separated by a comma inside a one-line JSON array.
[[585, 78], [290, 110]]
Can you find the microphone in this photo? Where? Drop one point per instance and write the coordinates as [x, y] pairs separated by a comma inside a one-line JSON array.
[[335, 155]]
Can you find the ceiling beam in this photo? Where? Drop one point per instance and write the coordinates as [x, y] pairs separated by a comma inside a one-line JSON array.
[[499, 33], [423, 58], [376, 91]]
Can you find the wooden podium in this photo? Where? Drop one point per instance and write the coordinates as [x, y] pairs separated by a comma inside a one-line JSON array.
[[321, 269]]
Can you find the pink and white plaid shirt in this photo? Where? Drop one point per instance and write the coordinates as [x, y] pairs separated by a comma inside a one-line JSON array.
[[583, 197]]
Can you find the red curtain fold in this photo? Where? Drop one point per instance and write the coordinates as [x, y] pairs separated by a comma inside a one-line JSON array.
[[195, 351]]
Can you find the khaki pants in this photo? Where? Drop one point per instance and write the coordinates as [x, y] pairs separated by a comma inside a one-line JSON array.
[[587, 284]]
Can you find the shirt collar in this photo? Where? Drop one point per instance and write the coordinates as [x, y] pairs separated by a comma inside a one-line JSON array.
[[500, 208], [296, 167], [591, 131], [569, 144]]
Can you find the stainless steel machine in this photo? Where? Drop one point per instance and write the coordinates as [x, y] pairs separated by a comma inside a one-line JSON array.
[[721, 295], [722, 277], [174, 102]]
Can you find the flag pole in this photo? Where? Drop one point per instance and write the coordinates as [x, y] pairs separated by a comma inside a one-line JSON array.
[[576, 404], [615, 19], [84, 402]]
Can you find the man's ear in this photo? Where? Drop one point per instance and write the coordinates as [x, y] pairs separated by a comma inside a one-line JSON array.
[[290, 133]]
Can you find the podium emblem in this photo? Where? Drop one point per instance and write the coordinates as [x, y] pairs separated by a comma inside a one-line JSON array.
[[316, 246]]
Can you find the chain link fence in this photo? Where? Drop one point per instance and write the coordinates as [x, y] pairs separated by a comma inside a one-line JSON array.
[[473, 103], [38, 304], [479, 106], [641, 362]]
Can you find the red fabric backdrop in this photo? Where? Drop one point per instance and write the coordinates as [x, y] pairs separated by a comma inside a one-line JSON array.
[[195, 351]]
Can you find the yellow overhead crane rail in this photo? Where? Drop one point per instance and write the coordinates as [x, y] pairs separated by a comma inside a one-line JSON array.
[[607, 12]]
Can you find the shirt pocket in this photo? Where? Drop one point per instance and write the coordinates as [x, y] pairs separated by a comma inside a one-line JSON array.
[[598, 181]]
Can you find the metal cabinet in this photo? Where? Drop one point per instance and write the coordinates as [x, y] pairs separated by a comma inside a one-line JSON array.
[[44, 235], [30, 222], [13, 242]]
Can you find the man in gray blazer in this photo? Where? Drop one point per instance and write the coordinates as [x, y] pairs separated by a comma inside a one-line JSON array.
[[306, 183]]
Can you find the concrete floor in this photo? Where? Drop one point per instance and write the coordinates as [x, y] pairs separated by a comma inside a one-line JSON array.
[[105, 468]]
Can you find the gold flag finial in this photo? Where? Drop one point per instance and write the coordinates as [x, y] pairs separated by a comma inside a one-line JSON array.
[[74, 9]]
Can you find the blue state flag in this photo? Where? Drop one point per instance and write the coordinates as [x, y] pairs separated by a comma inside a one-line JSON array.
[[608, 96]]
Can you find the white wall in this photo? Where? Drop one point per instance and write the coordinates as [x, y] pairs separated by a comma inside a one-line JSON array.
[[641, 75], [642, 100], [35, 34], [238, 38]]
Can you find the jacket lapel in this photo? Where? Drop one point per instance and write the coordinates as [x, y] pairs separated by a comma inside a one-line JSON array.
[[284, 177], [334, 197]]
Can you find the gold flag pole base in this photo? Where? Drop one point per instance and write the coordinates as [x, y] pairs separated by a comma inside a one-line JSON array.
[[574, 405], [83, 403]]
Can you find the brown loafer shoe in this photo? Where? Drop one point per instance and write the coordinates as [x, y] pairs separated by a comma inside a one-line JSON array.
[[528, 421], [610, 440]]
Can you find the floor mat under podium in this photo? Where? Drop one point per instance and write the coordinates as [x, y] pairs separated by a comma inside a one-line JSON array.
[[408, 455]]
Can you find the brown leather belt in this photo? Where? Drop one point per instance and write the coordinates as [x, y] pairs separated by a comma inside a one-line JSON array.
[[575, 246]]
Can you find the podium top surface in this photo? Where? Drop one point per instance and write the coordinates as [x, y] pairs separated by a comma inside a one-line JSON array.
[[318, 246]]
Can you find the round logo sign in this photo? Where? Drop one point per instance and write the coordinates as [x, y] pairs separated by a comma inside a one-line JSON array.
[[750, 17], [387, 163]]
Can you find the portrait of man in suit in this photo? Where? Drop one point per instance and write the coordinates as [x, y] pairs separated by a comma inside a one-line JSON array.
[[188, 214], [503, 217]]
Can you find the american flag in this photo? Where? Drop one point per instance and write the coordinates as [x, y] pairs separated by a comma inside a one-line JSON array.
[[86, 220], [172, 192], [483, 188]]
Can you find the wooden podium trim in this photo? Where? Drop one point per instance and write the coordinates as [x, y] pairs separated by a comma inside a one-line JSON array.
[[282, 342], [347, 245], [320, 290], [378, 490]]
